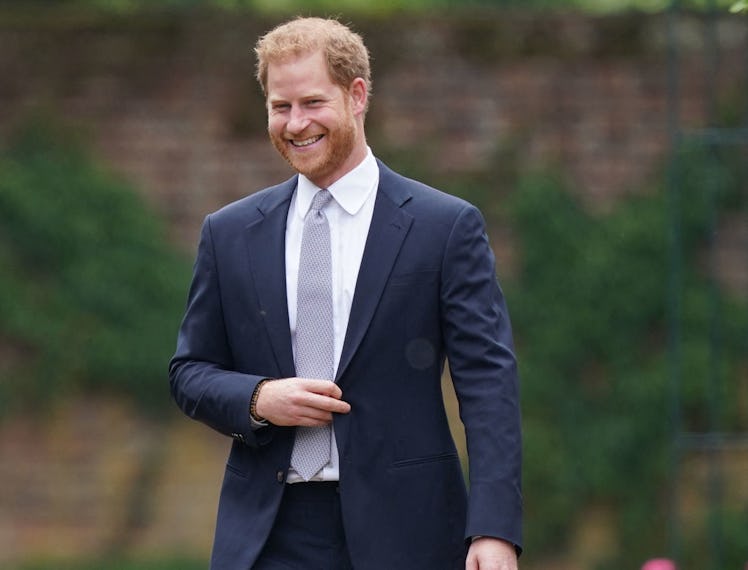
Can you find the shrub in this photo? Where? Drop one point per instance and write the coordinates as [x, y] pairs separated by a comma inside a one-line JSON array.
[[90, 291]]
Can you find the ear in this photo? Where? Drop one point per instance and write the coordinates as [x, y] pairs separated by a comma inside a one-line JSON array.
[[359, 95]]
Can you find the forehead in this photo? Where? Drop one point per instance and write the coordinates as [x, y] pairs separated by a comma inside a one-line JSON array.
[[297, 73]]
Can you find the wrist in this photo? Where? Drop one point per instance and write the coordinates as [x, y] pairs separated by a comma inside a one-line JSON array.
[[254, 416]]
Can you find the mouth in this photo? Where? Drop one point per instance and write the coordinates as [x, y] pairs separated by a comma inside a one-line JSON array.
[[305, 142]]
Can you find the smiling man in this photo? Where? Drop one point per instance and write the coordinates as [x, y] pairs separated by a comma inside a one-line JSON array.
[[319, 319]]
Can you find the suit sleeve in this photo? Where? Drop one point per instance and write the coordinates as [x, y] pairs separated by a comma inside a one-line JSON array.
[[203, 382], [483, 366]]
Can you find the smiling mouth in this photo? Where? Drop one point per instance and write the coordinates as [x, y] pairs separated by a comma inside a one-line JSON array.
[[306, 142]]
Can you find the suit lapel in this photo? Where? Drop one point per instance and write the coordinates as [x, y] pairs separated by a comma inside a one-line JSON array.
[[266, 246], [389, 226]]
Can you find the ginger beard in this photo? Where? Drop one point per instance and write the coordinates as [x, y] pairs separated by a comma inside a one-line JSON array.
[[323, 157]]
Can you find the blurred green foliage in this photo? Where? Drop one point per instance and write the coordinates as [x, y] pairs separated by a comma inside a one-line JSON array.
[[90, 291], [590, 311], [731, 522]]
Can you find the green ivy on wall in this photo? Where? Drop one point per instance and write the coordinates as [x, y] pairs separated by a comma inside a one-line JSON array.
[[590, 309], [90, 291]]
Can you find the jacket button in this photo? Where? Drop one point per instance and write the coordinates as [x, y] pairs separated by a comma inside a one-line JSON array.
[[280, 476]]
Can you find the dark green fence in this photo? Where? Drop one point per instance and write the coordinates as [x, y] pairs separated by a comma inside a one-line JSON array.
[[708, 514]]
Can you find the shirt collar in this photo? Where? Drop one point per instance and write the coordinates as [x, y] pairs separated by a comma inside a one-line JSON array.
[[350, 191]]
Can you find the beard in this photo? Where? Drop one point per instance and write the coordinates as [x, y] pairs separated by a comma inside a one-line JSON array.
[[321, 164]]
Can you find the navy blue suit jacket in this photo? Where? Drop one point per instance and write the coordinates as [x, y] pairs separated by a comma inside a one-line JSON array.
[[426, 290]]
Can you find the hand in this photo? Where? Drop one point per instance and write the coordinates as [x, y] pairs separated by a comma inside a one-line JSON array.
[[488, 553], [300, 402]]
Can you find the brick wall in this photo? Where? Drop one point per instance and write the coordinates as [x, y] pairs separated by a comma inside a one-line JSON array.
[[170, 102]]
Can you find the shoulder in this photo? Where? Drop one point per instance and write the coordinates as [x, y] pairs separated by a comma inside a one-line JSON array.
[[419, 198], [256, 205]]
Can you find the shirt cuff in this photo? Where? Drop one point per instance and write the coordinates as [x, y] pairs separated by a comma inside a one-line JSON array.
[[255, 425]]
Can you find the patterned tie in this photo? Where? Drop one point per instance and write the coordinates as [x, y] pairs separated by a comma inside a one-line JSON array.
[[314, 330]]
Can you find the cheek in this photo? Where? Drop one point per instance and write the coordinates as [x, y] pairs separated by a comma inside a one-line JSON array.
[[275, 125]]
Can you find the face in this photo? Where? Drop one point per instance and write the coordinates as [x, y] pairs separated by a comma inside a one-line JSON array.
[[316, 125]]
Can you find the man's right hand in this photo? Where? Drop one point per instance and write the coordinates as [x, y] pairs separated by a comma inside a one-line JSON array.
[[300, 402]]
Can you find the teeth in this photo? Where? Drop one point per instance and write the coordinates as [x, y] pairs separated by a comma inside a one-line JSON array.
[[306, 142]]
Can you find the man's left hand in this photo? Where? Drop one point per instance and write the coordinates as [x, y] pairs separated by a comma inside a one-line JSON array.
[[488, 553]]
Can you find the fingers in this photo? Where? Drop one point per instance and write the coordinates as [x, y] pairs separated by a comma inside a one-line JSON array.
[[310, 417], [487, 553], [327, 403], [322, 395], [324, 387]]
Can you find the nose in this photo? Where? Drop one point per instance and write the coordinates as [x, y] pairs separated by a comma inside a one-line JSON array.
[[297, 121]]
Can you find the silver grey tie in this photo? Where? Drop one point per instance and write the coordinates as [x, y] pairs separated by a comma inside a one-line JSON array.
[[315, 351]]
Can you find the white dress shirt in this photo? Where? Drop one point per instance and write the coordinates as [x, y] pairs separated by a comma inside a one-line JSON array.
[[349, 216]]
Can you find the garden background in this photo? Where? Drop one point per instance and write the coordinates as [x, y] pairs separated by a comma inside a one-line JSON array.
[[123, 123]]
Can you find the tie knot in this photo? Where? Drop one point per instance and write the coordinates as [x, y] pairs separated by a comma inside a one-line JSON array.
[[320, 200]]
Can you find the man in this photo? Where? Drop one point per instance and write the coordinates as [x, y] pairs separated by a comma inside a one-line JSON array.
[[349, 272]]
